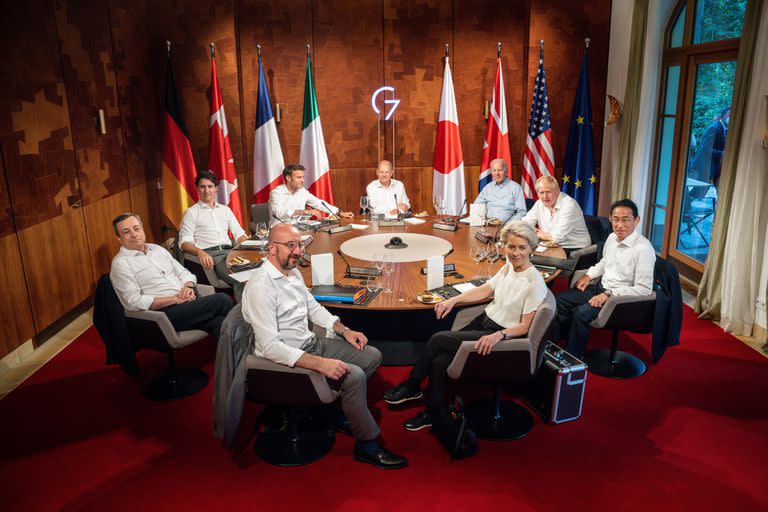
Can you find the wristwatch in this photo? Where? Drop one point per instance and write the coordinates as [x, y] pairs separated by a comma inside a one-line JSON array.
[[607, 293], [345, 329]]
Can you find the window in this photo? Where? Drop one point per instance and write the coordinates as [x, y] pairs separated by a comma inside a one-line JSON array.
[[698, 70]]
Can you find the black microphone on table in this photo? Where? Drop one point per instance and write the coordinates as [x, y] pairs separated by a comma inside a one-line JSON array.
[[341, 227], [328, 209], [278, 219], [456, 218], [358, 272], [496, 235], [397, 207]]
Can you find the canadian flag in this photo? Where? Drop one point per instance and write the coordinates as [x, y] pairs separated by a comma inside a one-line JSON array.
[[220, 160], [496, 143], [448, 180]]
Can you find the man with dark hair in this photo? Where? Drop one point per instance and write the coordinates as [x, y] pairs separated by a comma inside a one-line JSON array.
[[625, 269], [292, 199], [145, 276], [278, 305], [707, 162], [205, 230]]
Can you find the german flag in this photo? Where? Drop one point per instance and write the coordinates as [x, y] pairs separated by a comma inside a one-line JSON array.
[[179, 191]]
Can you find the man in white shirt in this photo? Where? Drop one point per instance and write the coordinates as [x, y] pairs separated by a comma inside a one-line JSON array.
[[386, 195], [205, 230], [291, 199], [277, 304], [145, 276], [502, 197], [558, 216], [625, 269]]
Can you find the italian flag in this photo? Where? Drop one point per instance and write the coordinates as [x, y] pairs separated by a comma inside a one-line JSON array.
[[317, 178]]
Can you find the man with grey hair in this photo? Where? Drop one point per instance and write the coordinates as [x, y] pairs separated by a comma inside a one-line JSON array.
[[502, 197], [145, 276], [278, 305]]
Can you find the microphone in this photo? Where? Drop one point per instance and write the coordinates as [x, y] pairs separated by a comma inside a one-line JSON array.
[[278, 219], [328, 209], [397, 207], [358, 272], [496, 235], [461, 209], [338, 229]]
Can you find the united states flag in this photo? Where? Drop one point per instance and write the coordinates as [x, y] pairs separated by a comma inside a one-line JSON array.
[[539, 158]]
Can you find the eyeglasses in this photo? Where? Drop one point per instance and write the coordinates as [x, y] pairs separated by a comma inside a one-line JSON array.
[[292, 245], [622, 220]]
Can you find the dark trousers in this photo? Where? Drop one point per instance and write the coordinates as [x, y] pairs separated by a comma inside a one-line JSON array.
[[222, 272], [206, 313], [574, 315], [437, 356]]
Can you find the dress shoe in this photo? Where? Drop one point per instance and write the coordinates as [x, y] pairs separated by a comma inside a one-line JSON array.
[[400, 394], [418, 422], [381, 458]]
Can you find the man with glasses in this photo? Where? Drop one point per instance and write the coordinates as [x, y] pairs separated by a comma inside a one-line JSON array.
[[625, 269], [277, 304], [205, 230]]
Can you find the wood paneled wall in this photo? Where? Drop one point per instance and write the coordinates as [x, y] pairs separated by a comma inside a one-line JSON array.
[[64, 181]]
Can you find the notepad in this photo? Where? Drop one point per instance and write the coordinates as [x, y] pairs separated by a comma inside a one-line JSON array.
[[464, 287]]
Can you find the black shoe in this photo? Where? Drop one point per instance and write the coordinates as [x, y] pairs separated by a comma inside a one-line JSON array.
[[401, 394], [381, 458], [418, 422]]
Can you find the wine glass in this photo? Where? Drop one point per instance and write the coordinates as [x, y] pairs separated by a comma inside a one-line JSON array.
[[482, 213], [439, 205], [388, 268], [378, 262], [477, 253], [491, 255], [364, 204], [262, 230]]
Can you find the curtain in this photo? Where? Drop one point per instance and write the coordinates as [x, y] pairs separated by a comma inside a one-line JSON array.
[[709, 300], [622, 180]]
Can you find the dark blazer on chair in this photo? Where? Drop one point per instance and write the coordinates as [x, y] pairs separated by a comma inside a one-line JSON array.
[[109, 320], [668, 315]]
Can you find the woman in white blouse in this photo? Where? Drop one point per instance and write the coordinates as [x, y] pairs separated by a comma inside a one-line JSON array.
[[517, 289]]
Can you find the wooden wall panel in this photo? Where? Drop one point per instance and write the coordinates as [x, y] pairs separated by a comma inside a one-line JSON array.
[[282, 29], [347, 56], [414, 37], [102, 242], [564, 25], [138, 61], [40, 164], [479, 26], [86, 56]]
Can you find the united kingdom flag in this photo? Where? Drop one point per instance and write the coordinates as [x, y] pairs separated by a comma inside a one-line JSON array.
[[539, 159]]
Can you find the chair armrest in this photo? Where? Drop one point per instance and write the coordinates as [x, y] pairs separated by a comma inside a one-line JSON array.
[[466, 315], [161, 320], [578, 253], [466, 348], [191, 257], [204, 290], [615, 301], [317, 379]]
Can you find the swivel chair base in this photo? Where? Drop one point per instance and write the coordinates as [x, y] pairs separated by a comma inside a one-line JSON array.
[[614, 364], [179, 383], [288, 448], [502, 421]]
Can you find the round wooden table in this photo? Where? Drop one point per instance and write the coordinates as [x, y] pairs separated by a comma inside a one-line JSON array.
[[407, 281]]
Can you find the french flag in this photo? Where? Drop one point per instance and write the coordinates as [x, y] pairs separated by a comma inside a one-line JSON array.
[[268, 160]]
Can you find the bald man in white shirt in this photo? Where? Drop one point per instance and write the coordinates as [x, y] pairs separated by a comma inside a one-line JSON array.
[[626, 268], [386, 195], [146, 277]]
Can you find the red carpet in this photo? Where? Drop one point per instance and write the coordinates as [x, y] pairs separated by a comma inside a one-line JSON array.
[[692, 432]]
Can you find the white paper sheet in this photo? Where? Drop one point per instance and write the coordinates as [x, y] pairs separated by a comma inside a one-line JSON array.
[[464, 287], [414, 221], [322, 269], [541, 248]]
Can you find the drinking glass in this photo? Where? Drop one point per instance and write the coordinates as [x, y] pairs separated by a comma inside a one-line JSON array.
[[482, 213], [378, 263], [364, 204], [477, 253], [491, 255], [262, 230], [439, 205], [388, 268]]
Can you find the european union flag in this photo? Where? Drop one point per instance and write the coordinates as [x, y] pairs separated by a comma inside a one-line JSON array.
[[579, 180]]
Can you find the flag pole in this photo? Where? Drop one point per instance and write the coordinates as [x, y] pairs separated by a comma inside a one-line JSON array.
[[213, 49], [446, 52], [307, 51], [498, 50], [586, 43], [258, 50], [168, 46]]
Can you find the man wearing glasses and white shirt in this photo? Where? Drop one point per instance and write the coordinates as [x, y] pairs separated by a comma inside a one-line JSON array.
[[291, 199], [277, 304], [502, 197], [625, 269], [205, 230], [386, 195], [558, 217]]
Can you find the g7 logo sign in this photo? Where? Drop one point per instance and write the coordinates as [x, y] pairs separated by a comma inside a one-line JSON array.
[[395, 103]]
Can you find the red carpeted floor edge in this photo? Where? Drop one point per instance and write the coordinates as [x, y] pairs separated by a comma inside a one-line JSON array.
[[692, 432]]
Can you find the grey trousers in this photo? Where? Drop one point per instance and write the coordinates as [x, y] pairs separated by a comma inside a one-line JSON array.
[[222, 272], [354, 386]]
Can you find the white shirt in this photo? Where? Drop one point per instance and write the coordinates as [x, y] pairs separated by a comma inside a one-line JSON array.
[[277, 307], [381, 199], [208, 227], [282, 203], [138, 277], [627, 266], [566, 224], [515, 294]]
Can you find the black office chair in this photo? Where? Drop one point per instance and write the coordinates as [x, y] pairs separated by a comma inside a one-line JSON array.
[[529, 202], [599, 228], [516, 360], [259, 213]]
